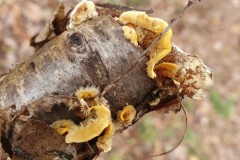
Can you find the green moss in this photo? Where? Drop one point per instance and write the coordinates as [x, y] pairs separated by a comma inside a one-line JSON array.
[[135, 2], [191, 136], [111, 1], [222, 105], [114, 156], [169, 132], [189, 105], [148, 132]]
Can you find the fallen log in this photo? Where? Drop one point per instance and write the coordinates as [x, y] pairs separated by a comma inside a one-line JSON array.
[[37, 92]]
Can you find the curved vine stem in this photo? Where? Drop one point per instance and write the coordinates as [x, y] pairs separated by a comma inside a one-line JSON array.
[[180, 141]]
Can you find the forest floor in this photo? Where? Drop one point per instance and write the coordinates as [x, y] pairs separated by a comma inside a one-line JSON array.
[[210, 30]]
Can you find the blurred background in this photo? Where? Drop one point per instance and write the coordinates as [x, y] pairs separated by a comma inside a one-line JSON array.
[[210, 30]]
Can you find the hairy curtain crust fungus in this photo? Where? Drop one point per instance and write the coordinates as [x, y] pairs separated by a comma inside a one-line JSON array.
[[126, 115], [166, 69], [105, 141], [82, 11], [88, 92], [155, 25], [130, 34], [98, 118], [141, 30]]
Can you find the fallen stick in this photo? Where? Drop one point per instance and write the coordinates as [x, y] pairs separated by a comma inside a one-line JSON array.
[[36, 93]]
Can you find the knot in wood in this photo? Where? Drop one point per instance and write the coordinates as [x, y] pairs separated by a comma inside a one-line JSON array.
[[77, 44], [76, 39]]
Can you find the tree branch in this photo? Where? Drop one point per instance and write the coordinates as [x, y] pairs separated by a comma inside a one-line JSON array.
[[36, 93]]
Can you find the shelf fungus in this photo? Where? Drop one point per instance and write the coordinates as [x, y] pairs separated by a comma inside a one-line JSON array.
[[105, 141], [130, 34], [166, 69], [188, 72], [81, 12], [98, 120], [143, 25], [126, 115]]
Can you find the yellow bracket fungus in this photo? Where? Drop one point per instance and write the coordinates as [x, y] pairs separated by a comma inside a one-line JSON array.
[[154, 102], [91, 127], [88, 92], [130, 34], [62, 126], [155, 25], [82, 11], [127, 115], [166, 69], [105, 141], [98, 117], [85, 109]]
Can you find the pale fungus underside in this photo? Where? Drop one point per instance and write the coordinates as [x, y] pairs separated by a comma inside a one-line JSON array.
[[85, 123]]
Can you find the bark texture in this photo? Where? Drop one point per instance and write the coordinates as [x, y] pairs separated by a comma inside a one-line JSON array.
[[93, 55]]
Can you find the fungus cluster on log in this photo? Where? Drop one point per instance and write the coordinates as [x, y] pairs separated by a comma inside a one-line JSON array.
[[83, 84]]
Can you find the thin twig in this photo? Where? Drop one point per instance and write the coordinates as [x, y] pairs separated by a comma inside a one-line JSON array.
[[122, 8], [173, 22], [184, 133], [90, 147], [153, 44]]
